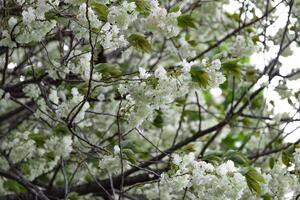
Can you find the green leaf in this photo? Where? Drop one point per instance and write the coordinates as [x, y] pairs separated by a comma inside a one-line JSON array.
[[125, 144], [208, 98], [73, 196], [237, 157], [200, 76], [234, 16], [37, 71], [286, 158], [188, 148], [192, 115], [175, 8], [130, 155], [50, 156], [186, 21], [250, 29], [50, 15], [13, 186], [193, 43], [255, 39], [61, 130], [271, 163], [245, 60], [254, 179], [143, 6], [267, 196], [108, 69], [253, 185], [229, 142], [214, 157], [152, 81], [159, 120], [101, 10], [139, 41], [251, 75], [287, 52], [180, 101], [252, 173], [39, 139], [232, 67], [256, 103]]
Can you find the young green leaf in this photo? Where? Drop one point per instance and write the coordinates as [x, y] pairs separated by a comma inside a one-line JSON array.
[[286, 158], [200, 76], [254, 179], [13, 186], [140, 42], [108, 69], [237, 157], [152, 81], [175, 8], [271, 163], [143, 6], [232, 67], [101, 10], [130, 155], [266, 196], [252, 173], [253, 185], [214, 157], [186, 21], [159, 120]]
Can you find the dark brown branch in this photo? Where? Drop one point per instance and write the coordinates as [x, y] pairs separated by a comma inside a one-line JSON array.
[[83, 189]]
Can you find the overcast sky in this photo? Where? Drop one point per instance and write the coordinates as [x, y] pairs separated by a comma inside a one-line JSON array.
[[260, 59]]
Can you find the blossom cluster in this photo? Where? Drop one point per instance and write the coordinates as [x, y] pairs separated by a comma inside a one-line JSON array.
[[98, 89]]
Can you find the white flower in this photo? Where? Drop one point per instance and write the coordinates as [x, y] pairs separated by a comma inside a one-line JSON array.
[[116, 149], [160, 73], [281, 182], [91, 15], [154, 3], [263, 81], [60, 146], [216, 64], [7, 96], [74, 91], [297, 158], [110, 163], [22, 150], [143, 73], [186, 65], [176, 183], [28, 16], [66, 146], [226, 168], [122, 15], [81, 114], [12, 22], [206, 167], [32, 90], [216, 77], [188, 159], [129, 6], [53, 96], [161, 22], [176, 159], [20, 2], [278, 116], [242, 47]]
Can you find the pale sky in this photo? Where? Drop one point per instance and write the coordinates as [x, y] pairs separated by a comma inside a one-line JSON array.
[[260, 59]]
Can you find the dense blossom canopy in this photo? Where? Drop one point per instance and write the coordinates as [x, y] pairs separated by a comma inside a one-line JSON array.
[[147, 99]]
